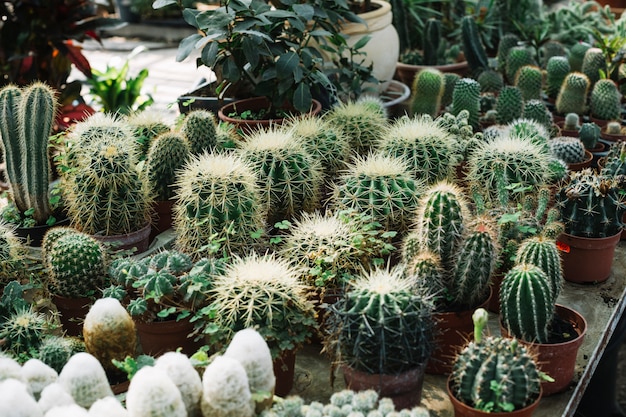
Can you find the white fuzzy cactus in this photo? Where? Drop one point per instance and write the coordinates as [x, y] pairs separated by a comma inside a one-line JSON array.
[[16, 401], [182, 373], [84, 378], [54, 395], [10, 369], [107, 407], [71, 410], [153, 394], [226, 391], [251, 350], [38, 375]]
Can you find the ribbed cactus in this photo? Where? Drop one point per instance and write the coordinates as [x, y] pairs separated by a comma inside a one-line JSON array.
[[556, 70], [109, 333], [200, 129], [424, 269], [529, 79], [536, 110], [428, 148], [466, 96], [517, 57], [594, 62], [577, 55], [147, 125], [84, 378], [542, 251], [167, 154], [569, 149], [76, 263], [527, 303], [592, 205], [572, 96], [381, 186], [55, 351], [26, 119], [615, 163], [289, 179], [225, 389], [22, 331], [605, 101], [589, 134], [428, 87], [218, 198], [152, 393], [431, 39], [490, 81], [383, 326], [450, 79], [509, 104], [473, 48], [489, 360]]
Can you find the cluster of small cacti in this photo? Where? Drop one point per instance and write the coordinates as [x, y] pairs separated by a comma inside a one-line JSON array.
[[569, 149]]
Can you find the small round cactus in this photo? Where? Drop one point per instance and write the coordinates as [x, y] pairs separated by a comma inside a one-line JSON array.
[[490, 81], [543, 252], [571, 122], [200, 129], [152, 393], [589, 134], [570, 150], [55, 351], [23, 330]]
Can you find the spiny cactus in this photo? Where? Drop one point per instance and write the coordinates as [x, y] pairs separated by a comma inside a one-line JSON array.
[[536, 110], [517, 57], [570, 150], [55, 351], [147, 125], [428, 87], [605, 101], [615, 163], [166, 155], [428, 148], [577, 55], [508, 41], [542, 251], [509, 104], [76, 263], [200, 129], [225, 389], [450, 79], [552, 49], [152, 393], [589, 134], [529, 79], [473, 48], [84, 378], [431, 39], [490, 81], [556, 70], [594, 62], [26, 120], [527, 303], [218, 198], [489, 360], [381, 186], [466, 96], [368, 319], [424, 268], [23, 330], [572, 96], [288, 177], [12, 254], [181, 372]]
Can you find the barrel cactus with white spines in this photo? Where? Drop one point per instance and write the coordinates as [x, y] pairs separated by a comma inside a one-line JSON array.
[[527, 303], [542, 251], [466, 96], [486, 361], [529, 79], [166, 155], [605, 100], [427, 90], [572, 97], [200, 129], [509, 104]]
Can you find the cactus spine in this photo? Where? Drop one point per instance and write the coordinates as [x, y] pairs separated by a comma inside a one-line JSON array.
[[200, 129], [428, 88], [529, 80], [509, 104], [167, 154], [27, 116], [466, 96], [557, 69], [606, 100], [572, 96], [542, 251]]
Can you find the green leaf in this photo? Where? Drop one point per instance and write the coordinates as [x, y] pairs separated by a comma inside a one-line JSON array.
[[157, 4], [361, 42], [209, 54], [287, 63], [305, 11], [187, 46]]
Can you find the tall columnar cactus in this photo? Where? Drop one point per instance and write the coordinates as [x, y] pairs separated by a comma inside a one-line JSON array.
[[431, 39], [450, 79], [218, 198], [428, 148], [200, 129], [508, 41], [589, 134], [76, 263], [147, 125], [572, 97], [26, 119], [569, 149], [368, 321], [517, 57], [288, 177], [594, 62], [473, 48], [381, 186], [536, 110], [615, 163], [494, 359], [529, 80], [109, 333], [542, 251], [527, 303], [428, 87], [491, 81], [556, 70], [167, 155], [84, 378], [152, 393], [605, 101], [577, 55], [509, 104], [592, 205], [466, 96]]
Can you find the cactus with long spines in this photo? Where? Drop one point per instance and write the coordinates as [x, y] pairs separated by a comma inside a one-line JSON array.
[[509, 104], [615, 163], [605, 100], [428, 86], [536, 110], [491, 81], [218, 198], [22, 331], [428, 148], [556, 70], [508, 41], [147, 125], [569, 149], [200, 129], [517, 57], [589, 134], [542, 251], [288, 177], [577, 55], [529, 79], [572, 97], [489, 360], [466, 96], [424, 268], [381, 186], [592, 205], [594, 62], [450, 79], [26, 121], [166, 155], [527, 303], [12, 254]]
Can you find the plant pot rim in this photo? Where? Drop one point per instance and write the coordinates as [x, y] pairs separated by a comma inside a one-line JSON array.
[[223, 112], [608, 239]]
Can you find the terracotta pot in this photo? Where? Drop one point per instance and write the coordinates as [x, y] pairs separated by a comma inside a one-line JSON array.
[[162, 217], [139, 239], [587, 260], [611, 138], [404, 389], [558, 360], [72, 312], [159, 337], [598, 151], [255, 104], [406, 72], [464, 410], [578, 166], [284, 371]]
